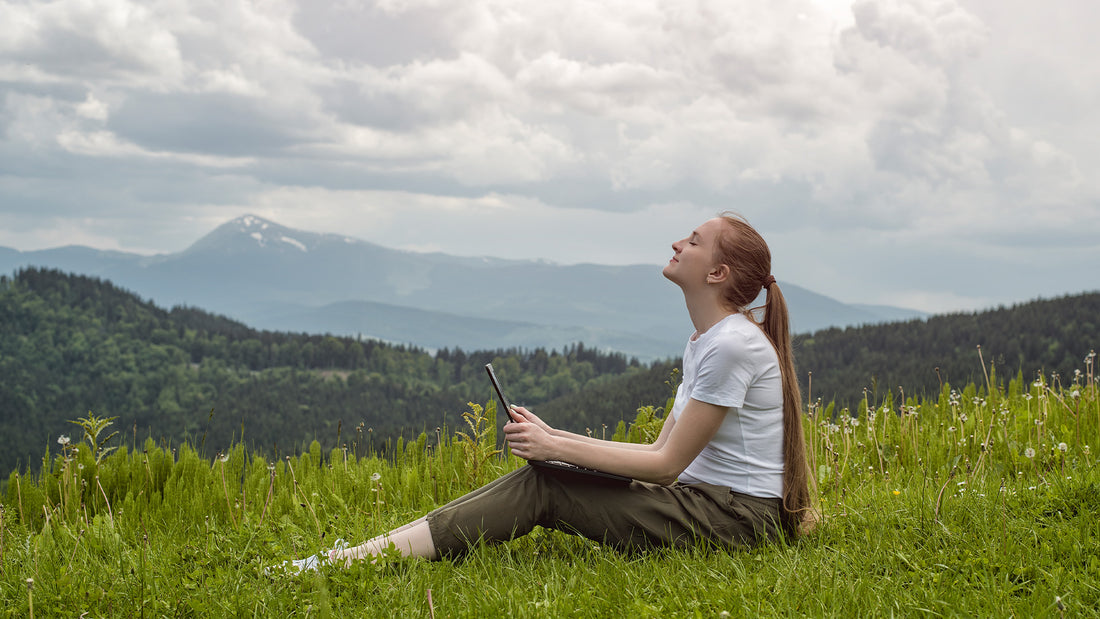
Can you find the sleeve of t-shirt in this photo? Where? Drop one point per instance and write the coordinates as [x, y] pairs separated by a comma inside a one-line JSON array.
[[724, 372]]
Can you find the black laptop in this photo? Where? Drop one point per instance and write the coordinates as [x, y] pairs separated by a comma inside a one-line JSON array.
[[551, 465]]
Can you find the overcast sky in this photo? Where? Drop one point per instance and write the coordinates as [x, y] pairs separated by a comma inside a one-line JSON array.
[[932, 154]]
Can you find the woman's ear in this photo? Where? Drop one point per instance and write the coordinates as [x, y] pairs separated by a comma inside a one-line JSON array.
[[718, 274]]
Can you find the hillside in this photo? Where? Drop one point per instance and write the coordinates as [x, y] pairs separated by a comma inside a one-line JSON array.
[[73, 344], [1051, 336]]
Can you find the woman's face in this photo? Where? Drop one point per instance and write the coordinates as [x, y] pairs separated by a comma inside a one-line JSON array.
[[693, 257]]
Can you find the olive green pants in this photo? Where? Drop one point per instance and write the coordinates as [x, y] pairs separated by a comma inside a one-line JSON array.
[[630, 516]]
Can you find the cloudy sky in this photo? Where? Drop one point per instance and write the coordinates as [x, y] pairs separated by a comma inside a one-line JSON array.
[[933, 154]]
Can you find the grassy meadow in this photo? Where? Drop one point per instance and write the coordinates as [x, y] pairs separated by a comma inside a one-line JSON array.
[[979, 502]]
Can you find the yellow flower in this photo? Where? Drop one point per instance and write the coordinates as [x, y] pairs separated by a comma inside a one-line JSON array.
[[897, 492]]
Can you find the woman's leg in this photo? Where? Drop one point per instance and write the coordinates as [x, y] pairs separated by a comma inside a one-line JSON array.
[[635, 515], [625, 516], [411, 540]]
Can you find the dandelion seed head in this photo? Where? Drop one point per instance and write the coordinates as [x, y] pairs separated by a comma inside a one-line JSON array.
[[1062, 447], [1076, 394], [1029, 452], [375, 476], [63, 440]]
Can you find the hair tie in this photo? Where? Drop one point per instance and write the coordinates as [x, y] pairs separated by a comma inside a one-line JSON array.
[[768, 281]]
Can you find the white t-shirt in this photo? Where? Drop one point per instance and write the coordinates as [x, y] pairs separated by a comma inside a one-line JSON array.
[[733, 364]]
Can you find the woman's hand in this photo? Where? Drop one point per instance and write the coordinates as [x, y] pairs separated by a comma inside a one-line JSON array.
[[529, 437], [521, 414]]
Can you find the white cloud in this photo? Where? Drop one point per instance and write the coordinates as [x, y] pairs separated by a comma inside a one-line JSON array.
[[919, 121]]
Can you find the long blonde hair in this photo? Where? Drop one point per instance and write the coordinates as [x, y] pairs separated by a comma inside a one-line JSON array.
[[744, 251]]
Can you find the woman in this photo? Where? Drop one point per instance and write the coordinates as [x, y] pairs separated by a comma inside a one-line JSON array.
[[729, 465]]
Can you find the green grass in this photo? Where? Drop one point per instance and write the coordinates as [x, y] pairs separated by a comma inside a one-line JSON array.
[[962, 505]]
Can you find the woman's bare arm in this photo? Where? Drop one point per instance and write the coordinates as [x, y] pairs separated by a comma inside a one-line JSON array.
[[662, 462], [656, 444]]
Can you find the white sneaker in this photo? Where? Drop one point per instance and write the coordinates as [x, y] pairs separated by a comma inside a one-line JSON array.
[[310, 563]]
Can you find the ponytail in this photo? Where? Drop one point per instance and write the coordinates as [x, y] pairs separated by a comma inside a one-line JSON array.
[[797, 512], [744, 251]]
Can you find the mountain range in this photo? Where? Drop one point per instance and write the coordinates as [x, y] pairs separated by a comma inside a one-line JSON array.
[[277, 278]]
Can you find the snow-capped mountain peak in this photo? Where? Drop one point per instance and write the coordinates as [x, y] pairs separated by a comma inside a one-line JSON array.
[[249, 233]]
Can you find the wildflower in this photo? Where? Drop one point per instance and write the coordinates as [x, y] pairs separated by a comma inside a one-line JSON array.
[[376, 476], [963, 418], [1029, 452], [1086, 450], [897, 492], [1027, 396], [1062, 447], [951, 429], [63, 440], [223, 458], [1076, 394]]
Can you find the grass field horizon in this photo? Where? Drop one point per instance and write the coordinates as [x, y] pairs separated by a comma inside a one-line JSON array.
[[981, 501]]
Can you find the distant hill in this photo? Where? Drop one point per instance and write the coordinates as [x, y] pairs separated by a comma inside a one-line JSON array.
[[73, 344], [273, 277], [1048, 336], [917, 357]]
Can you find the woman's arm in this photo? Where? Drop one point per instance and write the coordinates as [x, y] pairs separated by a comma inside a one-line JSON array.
[[682, 442], [526, 415]]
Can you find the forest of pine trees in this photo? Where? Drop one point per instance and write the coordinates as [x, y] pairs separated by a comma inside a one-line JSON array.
[[71, 345]]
